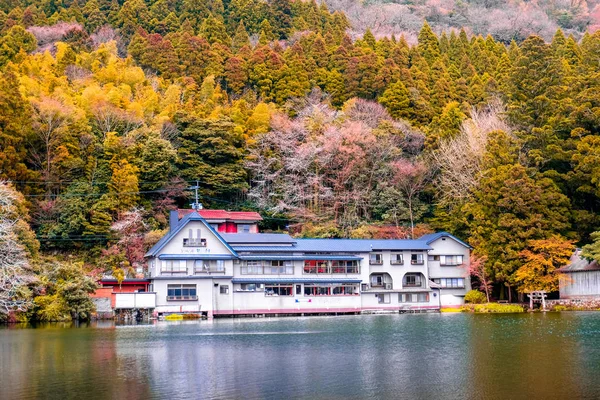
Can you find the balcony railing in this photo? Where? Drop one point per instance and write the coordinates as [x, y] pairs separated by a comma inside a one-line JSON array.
[[396, 261], [173, 272], [417, 262], [375, 262], [210, 270], [187, 242], [385, 285], [413, 285]]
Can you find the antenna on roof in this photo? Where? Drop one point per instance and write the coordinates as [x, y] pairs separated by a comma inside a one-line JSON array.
[[196, 205]]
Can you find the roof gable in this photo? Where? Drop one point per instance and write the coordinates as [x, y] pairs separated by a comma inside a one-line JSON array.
[[182, 223], [432, 237]]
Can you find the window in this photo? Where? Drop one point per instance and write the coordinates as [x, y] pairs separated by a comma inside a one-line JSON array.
[[173, 267], [451, 283], [396, 259], [375, 258], [451, 260], [278, 267], [412, 280], [433, 257], [224, 289], [416, 259], [192, 241], [181, 292], [252, 268], [332, 289], [243, 228], [298, 289], [279, 290], [316, 267], [413, 297], [251, 287], [405, 297], [344, 267], [383, 298], [208, 266], [273, 267]]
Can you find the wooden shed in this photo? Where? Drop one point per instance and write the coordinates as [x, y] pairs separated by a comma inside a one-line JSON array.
[[580, 279]]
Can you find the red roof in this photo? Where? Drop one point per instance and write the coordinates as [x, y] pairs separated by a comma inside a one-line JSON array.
[[224, 215]]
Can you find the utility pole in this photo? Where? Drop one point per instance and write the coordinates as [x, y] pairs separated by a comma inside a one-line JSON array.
[[196, 205]]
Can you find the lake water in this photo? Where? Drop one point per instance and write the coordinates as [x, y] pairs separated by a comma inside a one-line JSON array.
[[425, 356]]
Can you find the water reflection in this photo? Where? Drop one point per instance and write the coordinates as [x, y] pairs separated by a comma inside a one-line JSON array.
[[380, 356]]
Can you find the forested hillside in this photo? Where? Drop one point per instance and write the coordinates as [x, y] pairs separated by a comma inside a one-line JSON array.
[[505, 20], [110, 110]]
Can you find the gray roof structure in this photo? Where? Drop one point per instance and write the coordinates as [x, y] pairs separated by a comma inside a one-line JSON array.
[[578, 264], [432, 237]]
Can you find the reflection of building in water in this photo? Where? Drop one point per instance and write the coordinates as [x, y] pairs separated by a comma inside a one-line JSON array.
[[220, 265]]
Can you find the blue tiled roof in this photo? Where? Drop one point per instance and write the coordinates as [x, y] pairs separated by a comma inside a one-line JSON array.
[[182, 223], [432, 237], [295, 280], [258, 238], [343, 245], [196, 257]]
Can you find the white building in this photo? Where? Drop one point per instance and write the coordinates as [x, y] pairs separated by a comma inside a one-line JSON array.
[[198, 270]]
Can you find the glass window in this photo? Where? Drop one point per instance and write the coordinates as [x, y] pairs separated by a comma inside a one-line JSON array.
[[375, 258], [279, 290], [433, 257], [243, 228], [181, 292], [383, 298], [396, 259], [224, 289], [416, 259], [251, 287], [412, 280], [316, 267], [174, 266], [451, 260], [423, 297], [451, 283]]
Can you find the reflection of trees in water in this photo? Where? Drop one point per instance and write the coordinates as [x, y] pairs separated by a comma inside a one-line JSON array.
[[534, 354]]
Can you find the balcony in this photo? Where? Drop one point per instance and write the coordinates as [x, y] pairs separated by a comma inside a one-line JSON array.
[[187, 242], [417, 262], [386, 286], [397, 262]]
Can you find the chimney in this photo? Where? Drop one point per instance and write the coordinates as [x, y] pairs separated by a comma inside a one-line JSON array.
[[173, 219]]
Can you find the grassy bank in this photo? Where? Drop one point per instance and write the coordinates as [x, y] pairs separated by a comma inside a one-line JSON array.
[[487, 308]]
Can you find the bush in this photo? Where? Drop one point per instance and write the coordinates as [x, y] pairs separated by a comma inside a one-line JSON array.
[[475, 297]]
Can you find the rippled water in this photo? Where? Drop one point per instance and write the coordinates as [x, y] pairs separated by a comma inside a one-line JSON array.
[[443, 356]]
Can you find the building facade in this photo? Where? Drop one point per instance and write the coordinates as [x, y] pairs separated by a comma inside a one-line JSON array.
[[197, 269]]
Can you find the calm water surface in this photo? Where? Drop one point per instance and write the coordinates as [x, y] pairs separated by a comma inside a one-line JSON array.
[[435, 356]]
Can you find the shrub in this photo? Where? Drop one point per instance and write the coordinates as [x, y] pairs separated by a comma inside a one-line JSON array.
[[475, 297]]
